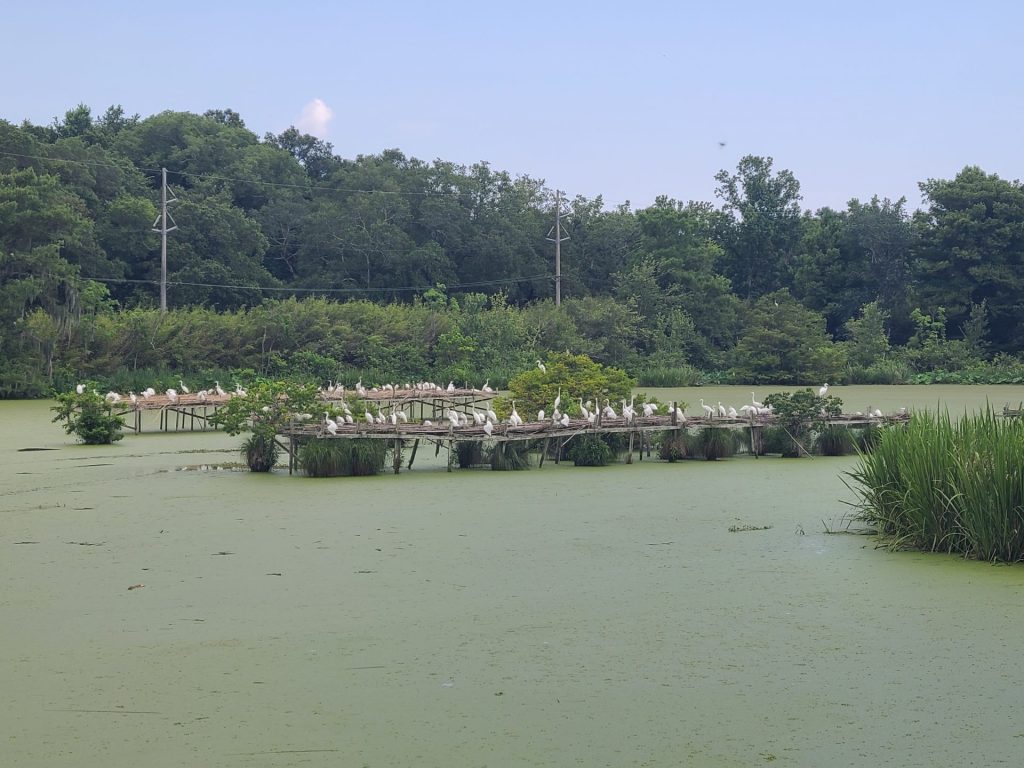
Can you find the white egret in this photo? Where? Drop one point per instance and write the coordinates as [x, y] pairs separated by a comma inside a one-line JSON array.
[[543, 368], [184, 389], [492, 416], [488, 428], [822, 391], [558, 398], [218, 389], [721, 410], [583, 411], [708, 410], [753, 401], [80, 389], [172, 395], [514, 418], [451, 387], [540, 415], [487, 386], [564, 421]]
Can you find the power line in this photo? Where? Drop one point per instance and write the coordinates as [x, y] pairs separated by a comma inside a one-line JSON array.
[[383, 289]]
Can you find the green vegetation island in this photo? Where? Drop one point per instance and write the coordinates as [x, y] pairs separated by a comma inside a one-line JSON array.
[[287, 259]]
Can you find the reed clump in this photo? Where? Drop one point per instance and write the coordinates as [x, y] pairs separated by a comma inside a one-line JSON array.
[[947, 486], [342, 458]]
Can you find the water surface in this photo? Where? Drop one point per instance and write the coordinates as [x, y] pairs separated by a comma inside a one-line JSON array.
[[563, 616]]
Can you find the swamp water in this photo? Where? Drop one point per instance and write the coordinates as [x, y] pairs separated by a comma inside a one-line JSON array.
[[562, 616]]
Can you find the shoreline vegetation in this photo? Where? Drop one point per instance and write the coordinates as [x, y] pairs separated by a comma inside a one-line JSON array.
[[944, 485], [287, 257]]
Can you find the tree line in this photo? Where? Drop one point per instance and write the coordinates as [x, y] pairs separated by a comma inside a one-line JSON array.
[[289, 256]]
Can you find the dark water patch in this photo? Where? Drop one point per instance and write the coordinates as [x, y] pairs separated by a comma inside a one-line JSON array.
[[24, 450], [26, 542], [87, 543]]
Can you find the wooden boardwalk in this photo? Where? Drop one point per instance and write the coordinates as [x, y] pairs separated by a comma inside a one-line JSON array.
[[446, 433]]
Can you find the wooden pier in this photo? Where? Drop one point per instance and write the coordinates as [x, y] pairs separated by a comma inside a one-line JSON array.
[[446, 434]]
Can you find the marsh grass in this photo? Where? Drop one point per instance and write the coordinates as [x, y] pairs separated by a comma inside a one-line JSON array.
[[260, 452], [835, 441], [947, 486], [510, 456], [717, 443], [341, 458]]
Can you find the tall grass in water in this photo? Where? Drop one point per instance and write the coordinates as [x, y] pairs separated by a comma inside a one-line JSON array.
[[339, 458], [947, 486]]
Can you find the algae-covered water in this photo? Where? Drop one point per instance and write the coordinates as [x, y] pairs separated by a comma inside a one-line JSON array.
[[562, 616]]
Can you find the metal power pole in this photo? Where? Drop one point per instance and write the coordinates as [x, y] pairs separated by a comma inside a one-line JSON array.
[[164, 229], [557, 239]]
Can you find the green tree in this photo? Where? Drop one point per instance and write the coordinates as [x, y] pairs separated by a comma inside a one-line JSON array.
[[762, 228], [785, 343], [972, 251]]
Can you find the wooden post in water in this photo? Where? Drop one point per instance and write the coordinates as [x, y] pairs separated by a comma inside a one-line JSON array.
[[397, 460], [629, 458], [415, 445], [543, 452]]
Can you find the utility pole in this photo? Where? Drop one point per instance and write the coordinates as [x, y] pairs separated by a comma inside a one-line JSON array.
[[162, 221], [557, 239]]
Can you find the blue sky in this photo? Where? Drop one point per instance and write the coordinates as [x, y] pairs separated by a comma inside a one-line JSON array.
[[626, 100]]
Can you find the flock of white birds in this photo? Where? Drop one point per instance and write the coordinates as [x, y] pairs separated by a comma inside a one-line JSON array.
[[487, 418]]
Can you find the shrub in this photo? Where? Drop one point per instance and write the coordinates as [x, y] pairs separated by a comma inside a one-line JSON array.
[[590, 451], [672, 445], [469, 453], [260, 452], [89, 417]]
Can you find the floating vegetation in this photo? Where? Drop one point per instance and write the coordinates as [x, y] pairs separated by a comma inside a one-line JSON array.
[[742, 528]]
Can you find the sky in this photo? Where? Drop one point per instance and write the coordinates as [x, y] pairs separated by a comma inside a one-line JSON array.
[[624, 100]]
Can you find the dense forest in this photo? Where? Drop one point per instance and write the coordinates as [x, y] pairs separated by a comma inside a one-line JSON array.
[[290, 259]]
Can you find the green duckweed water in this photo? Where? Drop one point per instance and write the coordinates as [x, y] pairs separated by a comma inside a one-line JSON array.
[[562, 616]]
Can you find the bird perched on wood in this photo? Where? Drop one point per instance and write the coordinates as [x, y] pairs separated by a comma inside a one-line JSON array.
[[543, 368], [823, 390]]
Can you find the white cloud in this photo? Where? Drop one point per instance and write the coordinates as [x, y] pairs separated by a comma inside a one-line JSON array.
[[314, 118]]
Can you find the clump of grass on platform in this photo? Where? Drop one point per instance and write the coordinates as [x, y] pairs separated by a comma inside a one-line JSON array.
[[590, 451], [947, 486], [341, 458], [716, 443], [260, 452], [672, 445], [509, 456], [469, 453], [834, 440]]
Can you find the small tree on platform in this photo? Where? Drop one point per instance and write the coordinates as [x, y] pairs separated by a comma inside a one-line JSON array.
[[264, 409], [801, 414], [576, 376], [89, 417]]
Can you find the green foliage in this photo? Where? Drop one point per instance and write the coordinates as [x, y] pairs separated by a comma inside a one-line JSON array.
[[89, 417], [785, 343], [590, 451], [716, 443], [260, 452], [510, 456], [672, 445], [342, 458], [575, 376], [947, 486], [835, 440], [469, 453], [801, 413]]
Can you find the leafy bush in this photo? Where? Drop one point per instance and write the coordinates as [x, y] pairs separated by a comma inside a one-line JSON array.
[[672, 445], [800, 414], [576, 376], [260, 452], [89, 417], [590, 451]]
